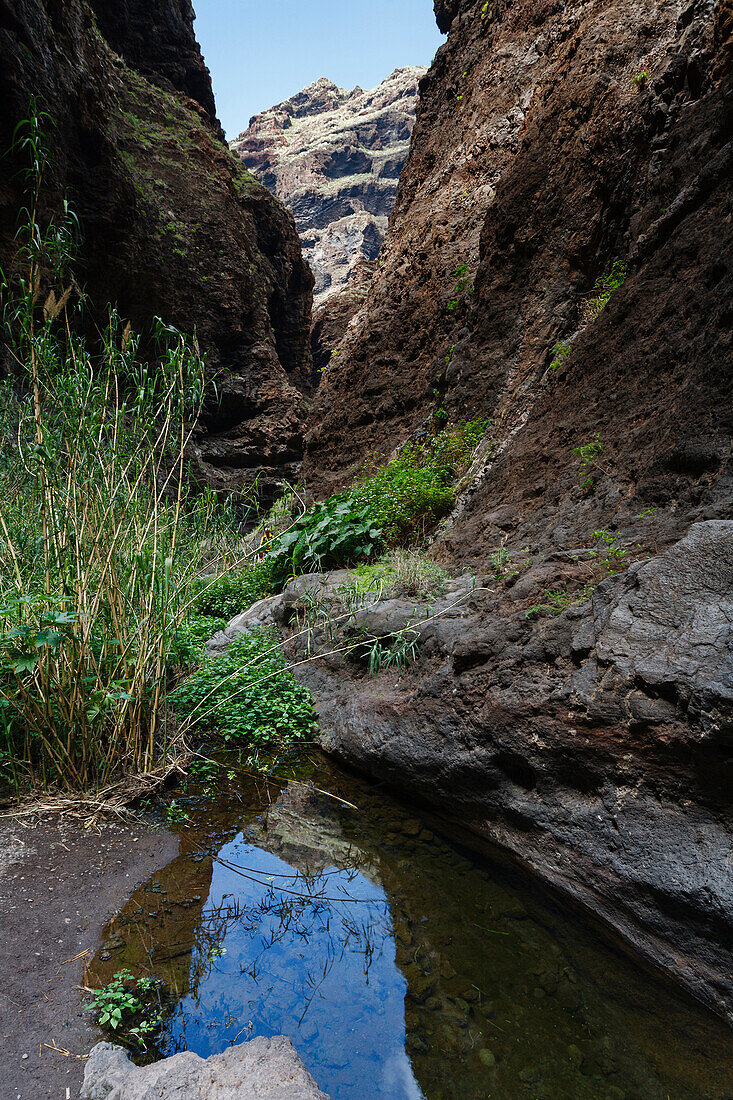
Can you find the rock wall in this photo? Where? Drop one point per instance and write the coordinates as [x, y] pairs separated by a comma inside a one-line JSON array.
[[160, 44], [171, 223], [334, 158], [554, 140], [592, 738], [595, 747]]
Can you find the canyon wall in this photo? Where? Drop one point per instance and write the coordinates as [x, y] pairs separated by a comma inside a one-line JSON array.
[[578, 714], [334, 158], [171, 223]]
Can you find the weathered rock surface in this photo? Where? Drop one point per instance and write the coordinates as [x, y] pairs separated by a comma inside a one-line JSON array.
[[162, 46], [171, 224], [334, 158], [263, 1069], [538, 160], [553, 141], [594, 747]]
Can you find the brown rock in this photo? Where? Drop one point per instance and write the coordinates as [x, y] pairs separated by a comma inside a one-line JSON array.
[[172, 225], [538, 161]]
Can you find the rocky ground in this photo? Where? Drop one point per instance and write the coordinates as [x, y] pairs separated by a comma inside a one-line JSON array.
[[59, 884], [334, 158], [591, 744]]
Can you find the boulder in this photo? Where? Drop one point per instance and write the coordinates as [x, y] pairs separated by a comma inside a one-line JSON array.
[[262, 1069]]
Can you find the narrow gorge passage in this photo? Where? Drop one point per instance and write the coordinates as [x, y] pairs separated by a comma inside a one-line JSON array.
[[366, 550]]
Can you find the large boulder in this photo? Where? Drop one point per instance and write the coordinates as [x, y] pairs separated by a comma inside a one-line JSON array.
[[262, 1069], [594, 746]]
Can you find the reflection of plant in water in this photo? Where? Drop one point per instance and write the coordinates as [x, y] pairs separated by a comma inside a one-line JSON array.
[[300, 908]]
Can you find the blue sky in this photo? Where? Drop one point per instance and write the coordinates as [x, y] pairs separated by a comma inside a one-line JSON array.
[[262, 51]]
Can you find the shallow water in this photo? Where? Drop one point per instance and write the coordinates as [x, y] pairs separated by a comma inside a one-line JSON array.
[[401, 965]]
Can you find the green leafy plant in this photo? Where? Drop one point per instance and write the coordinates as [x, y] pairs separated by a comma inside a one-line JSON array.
[[247, 695], [464, 283], [589, 454], [127, 1006], [204, 771], [610, 555], [640, 79], [175, 814], [560, 352], [390, 503], [327, 535], [557, 600], [225, 596], [409, 494], [603, 290]]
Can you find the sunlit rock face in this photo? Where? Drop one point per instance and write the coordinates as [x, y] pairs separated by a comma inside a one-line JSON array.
[[334, 158]]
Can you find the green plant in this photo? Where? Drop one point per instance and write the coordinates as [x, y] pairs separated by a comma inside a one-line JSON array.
[[464, 282], [560, 352], [390, 503], [247, 695], [650, 514], [557, 600], [640, 79], [174, 814], [409, 495], [611, 556], [589, 454], [395, 650], [604, 288], [331, 534], [95, 520], [126, 1007], [205, 772], [399, 573], [225, 596]]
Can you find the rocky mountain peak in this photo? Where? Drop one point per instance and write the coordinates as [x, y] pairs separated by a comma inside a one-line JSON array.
[[334, 158]]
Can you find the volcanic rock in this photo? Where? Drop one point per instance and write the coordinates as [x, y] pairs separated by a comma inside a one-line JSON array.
[[172, 226], [334, 158], [594, 747], [262, 1069]]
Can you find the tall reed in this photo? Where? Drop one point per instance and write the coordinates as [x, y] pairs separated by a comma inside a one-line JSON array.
[[98, 539]]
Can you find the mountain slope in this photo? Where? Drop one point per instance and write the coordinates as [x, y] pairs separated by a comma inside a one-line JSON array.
[[334, 158]]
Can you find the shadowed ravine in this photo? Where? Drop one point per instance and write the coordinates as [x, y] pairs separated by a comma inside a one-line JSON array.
[[400, 965]]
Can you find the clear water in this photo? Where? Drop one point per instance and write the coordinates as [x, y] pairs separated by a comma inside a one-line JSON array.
[[401, 965]]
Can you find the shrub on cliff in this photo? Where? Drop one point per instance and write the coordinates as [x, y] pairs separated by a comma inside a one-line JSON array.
[[391, 504], [408, 495]]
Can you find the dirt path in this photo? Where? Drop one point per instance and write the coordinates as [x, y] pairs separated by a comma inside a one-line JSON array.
[[58, 887]]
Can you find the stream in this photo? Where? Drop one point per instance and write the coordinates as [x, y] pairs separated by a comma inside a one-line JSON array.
[[401, 964]]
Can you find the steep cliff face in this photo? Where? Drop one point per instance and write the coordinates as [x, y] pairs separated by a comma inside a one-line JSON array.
[[158, 43], [560, 260], [552, 141], [334, 158], [171, 224]]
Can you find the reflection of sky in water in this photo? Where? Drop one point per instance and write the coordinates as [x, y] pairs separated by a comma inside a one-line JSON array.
[[320, 969]]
